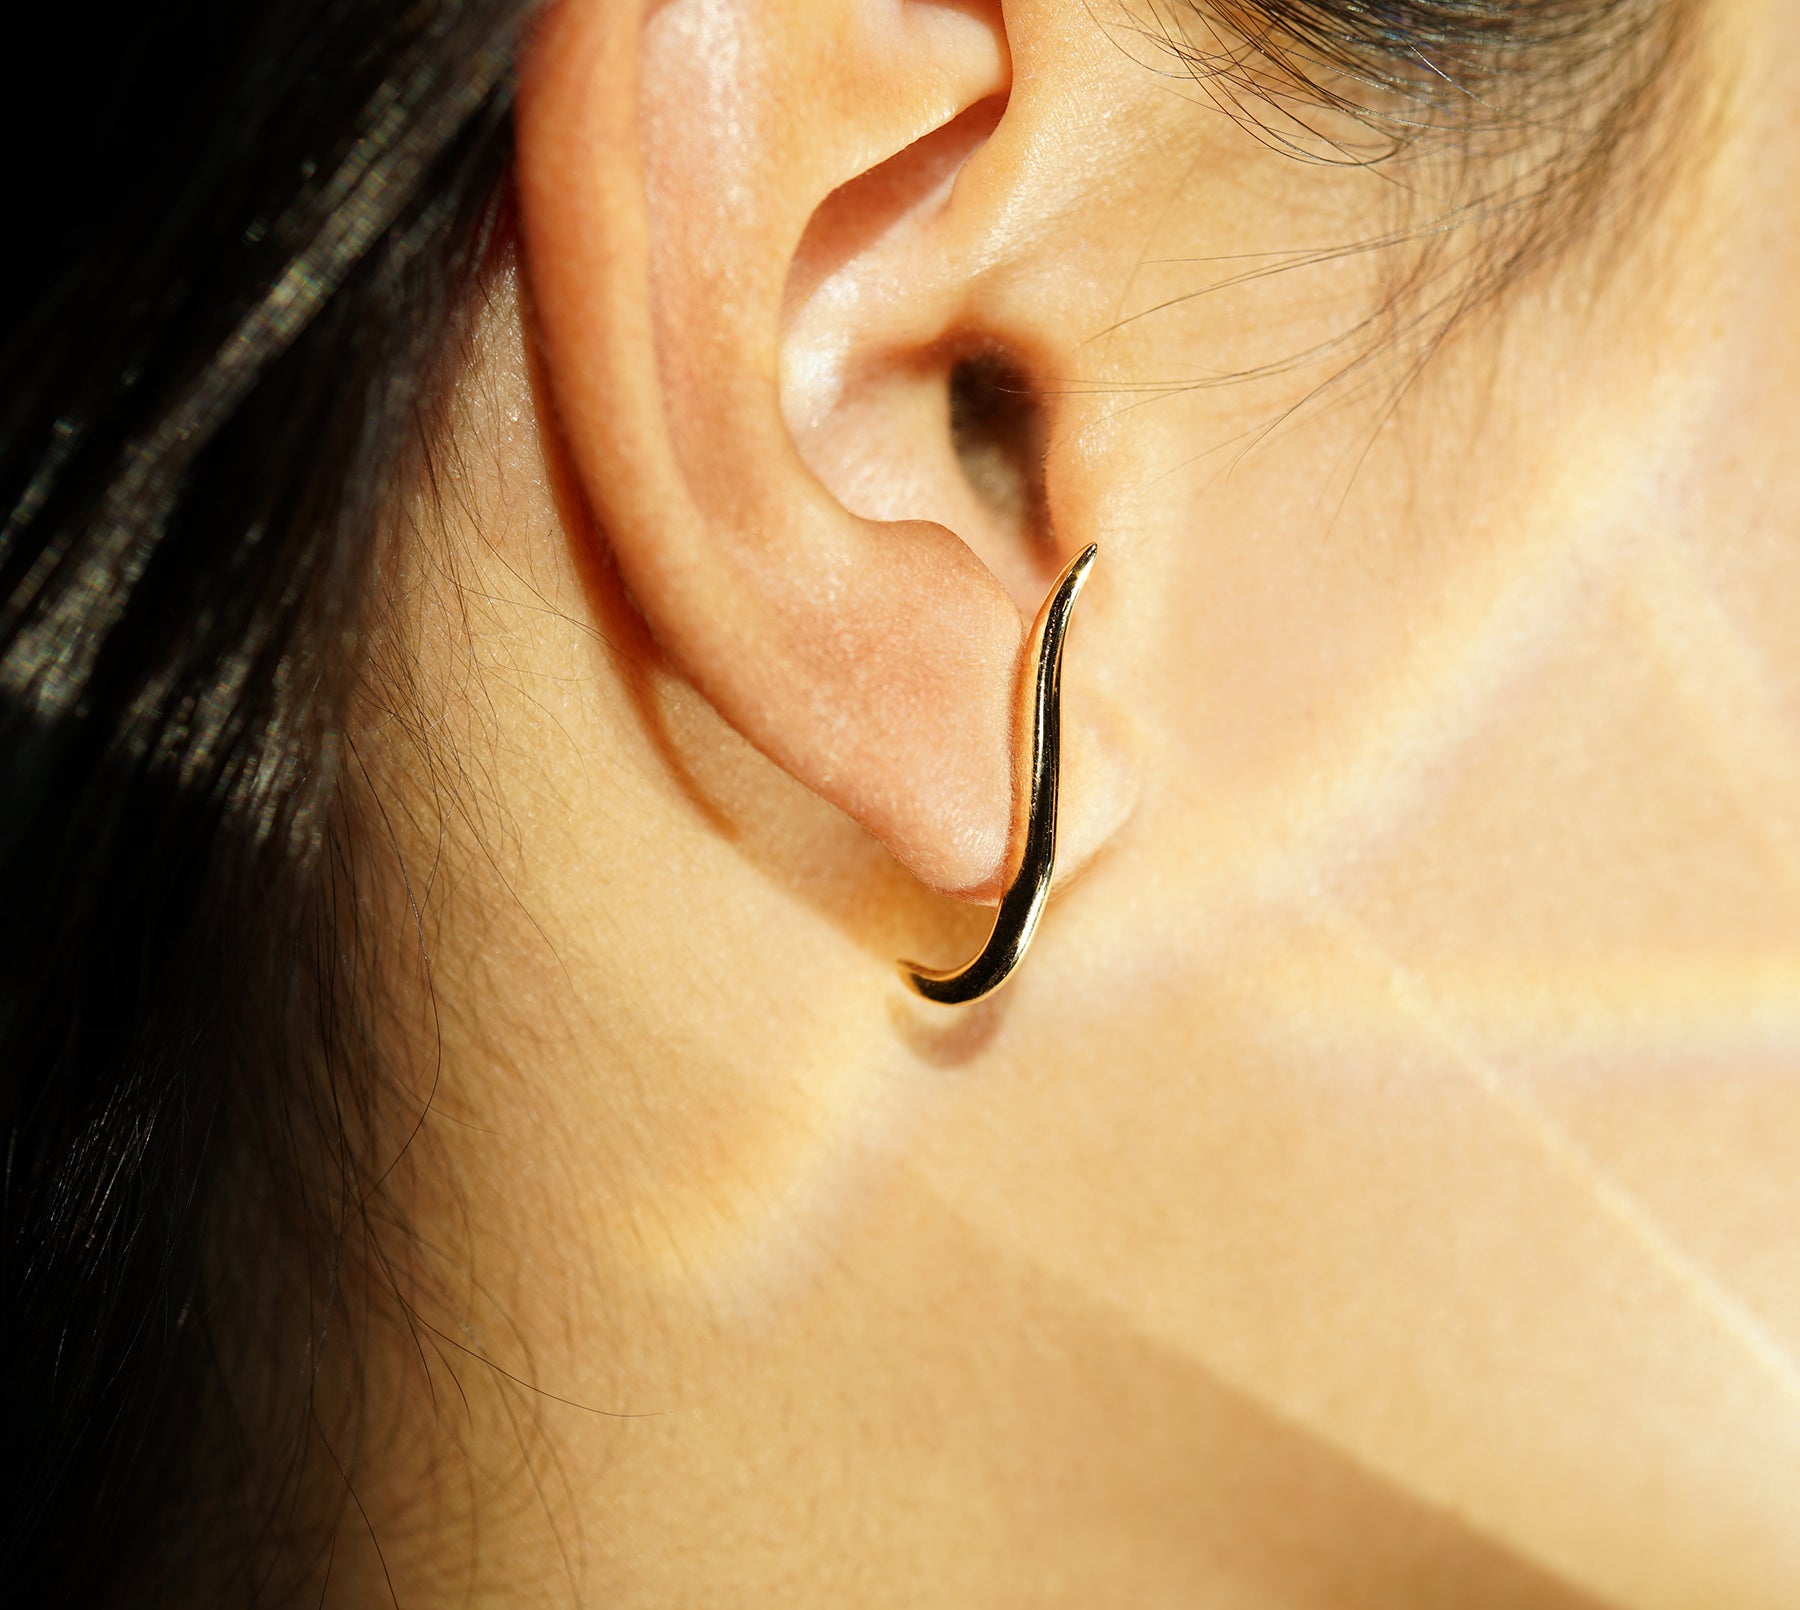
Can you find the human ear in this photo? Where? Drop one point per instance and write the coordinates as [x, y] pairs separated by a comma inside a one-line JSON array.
[[698, 181]]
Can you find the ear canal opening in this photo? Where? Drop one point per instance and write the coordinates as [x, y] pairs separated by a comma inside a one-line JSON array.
[[1000, 437]]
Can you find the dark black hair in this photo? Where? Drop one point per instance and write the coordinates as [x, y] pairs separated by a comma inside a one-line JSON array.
[[242, 232], [252, 224]]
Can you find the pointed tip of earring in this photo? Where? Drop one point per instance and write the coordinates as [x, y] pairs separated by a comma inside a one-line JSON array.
[[1069, 584], [1077, 568]]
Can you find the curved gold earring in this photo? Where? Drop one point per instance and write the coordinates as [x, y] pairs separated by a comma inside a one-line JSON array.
[[1023, 903]]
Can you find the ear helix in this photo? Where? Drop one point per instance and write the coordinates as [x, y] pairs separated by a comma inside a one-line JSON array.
[[1022, 905]]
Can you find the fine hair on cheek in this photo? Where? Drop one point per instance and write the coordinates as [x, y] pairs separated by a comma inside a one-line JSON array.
[[1513, 136]]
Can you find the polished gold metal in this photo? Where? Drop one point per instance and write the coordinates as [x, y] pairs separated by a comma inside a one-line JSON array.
[[1023, 903]]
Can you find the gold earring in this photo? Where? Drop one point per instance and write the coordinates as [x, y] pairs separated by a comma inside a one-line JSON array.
[[1023, 903]]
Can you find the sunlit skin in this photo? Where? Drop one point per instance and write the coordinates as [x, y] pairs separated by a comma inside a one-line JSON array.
[[1378, 1185]]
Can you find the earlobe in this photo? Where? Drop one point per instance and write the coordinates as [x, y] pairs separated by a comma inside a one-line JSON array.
[[670, 164]]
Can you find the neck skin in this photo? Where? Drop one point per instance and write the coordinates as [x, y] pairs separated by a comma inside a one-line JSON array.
[[1369, 1189]]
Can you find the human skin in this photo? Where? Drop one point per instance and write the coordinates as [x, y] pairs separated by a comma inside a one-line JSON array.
[[1377, 1185]]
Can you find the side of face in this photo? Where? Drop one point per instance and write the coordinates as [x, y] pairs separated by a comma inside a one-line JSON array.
[[1374, 1181]]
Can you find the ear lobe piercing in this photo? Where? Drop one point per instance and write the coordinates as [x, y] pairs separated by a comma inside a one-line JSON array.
[[1023, 903]]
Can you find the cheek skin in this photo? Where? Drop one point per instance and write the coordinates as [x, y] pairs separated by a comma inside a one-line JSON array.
[[1458, 923]]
